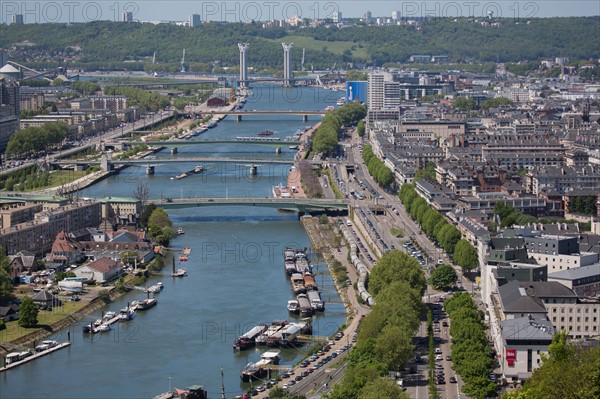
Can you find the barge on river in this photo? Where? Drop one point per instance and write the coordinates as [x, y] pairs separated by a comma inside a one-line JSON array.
[[258, 370], [248, 340]]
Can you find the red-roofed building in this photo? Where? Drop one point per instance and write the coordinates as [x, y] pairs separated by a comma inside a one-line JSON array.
[[101, 271], [65, 250]]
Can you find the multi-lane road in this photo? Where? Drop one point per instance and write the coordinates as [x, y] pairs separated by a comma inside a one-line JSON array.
[[416, 379]]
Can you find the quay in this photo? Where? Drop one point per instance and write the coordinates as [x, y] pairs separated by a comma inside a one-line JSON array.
[[35, 356]]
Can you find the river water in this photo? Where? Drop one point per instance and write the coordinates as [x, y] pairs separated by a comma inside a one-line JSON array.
[[235, 277]]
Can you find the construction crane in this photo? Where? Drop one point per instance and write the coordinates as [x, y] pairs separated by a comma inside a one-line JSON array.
[[183, 62]]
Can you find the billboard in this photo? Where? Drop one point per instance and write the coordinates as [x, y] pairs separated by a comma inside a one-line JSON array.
[[356, 91], [511, 356]]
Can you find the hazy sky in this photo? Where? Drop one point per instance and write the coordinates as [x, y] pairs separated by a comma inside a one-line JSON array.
[[261, 10]]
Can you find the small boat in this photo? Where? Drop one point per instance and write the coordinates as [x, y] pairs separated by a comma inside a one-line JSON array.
[[183, 258], [98, 323], [179, 273], [109, 315], [293, 147], [156, 288], [45, 345], [211, 125], [145, 304], [181, 176], [293, 306], [180, 231], [126, 314], [89, 329], [104, 327], [191, 392], [265, 133], [198, 169]]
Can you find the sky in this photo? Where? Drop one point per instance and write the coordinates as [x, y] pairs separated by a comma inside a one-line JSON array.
[[262, 10]]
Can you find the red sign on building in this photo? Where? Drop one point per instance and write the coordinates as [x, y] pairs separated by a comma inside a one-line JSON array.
[[511, 356]]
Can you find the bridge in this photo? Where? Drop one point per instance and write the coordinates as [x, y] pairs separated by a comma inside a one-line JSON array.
[[244, 140], [305, 205], [240, 113], [156, 161]]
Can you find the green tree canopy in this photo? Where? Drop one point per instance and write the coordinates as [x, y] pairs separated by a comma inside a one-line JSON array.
[[465, 255], [382, 388], [443, 277], [393, 266], [28, 313]]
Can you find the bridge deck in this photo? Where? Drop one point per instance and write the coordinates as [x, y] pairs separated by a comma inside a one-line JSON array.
[[301, 204]]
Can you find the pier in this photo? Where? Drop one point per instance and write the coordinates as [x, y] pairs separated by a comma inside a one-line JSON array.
[[35, 356]]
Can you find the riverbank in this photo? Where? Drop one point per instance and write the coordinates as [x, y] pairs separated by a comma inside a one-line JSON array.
[[322, 237], [43, 332]]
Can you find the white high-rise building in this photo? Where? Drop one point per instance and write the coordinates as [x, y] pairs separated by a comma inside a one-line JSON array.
[[336, 16], [382, 91], [395, 15], [127, 16], [367, 17]]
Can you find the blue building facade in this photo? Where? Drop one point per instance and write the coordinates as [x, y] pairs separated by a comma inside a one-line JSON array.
[[356, 91]]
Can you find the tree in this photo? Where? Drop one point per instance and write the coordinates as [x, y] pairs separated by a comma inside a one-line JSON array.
[[465, 255], [464, 104], [360, 128], [6, 287], [142, 193], [145, 216], [443, 277], [28, 313], [394, 347], [382, 388], [393, 266], [159, 219]]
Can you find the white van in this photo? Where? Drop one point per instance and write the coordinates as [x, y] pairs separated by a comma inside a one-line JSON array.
[[348, 223]]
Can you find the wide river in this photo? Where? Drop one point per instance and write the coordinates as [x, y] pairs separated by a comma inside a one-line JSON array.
[[236, 277]]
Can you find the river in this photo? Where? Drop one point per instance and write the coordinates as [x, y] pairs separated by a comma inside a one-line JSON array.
[[235, 277]]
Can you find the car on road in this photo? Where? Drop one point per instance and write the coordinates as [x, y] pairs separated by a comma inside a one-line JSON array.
[[438, 357], [298, 378], [453, 380], [448, 358]]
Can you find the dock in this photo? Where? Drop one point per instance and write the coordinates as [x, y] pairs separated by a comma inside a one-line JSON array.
[[35, 356]]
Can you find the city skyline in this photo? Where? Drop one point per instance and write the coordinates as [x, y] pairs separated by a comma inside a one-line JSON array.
[[246, 11]]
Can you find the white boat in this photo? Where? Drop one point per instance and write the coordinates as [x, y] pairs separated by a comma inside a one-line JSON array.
[[126, 314], [156, 288], [293, 306], [98, 323], [180, 231], [45, 345], [109, 315], [104, 327], [179, 273]]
